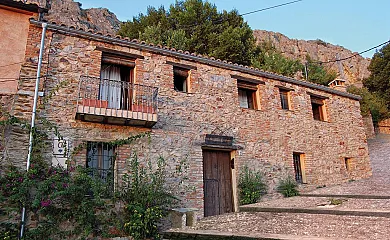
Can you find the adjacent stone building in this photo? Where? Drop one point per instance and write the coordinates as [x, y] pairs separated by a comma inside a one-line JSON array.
[[212, 116]]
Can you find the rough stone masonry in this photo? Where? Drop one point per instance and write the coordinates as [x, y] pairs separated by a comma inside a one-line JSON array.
[[264, 138]]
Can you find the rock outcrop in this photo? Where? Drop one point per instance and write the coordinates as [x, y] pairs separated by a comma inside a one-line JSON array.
[[355, 68], [70, 13]]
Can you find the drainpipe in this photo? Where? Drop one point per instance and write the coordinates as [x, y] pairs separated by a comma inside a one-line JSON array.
[[44, 27]]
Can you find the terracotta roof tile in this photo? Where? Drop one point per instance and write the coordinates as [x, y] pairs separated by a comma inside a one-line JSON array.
[[212, 59]]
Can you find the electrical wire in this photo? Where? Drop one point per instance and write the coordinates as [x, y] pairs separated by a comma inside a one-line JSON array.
[[276, 6], [354, 55], [221, 20]]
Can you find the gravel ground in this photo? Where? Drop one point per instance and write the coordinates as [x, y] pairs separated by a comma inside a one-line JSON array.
[[332, 226], [313, 202]]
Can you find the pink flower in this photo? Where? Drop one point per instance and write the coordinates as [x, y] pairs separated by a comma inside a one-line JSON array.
[[46, 203]]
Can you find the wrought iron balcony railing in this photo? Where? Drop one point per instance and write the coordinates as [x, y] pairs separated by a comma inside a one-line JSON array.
[[116, 102]]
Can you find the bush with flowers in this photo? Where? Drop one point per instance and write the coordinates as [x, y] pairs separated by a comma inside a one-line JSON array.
[[74, 203], [60, 203]]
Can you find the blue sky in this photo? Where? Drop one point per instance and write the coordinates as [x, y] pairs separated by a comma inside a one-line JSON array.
[[354, 24]]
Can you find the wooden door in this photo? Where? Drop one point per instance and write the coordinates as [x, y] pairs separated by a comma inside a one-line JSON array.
[[217, 178]]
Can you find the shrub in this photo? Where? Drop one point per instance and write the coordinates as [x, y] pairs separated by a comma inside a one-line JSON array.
[[146, 197], [371, 103], [288, 187], [54, 196], [336, 201], [251, 185]]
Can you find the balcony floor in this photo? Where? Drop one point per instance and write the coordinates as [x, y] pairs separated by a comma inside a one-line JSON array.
[[115, 116]]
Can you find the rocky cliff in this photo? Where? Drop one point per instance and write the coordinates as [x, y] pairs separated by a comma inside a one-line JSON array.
[[71, 13], [101, 19], [355, 68]]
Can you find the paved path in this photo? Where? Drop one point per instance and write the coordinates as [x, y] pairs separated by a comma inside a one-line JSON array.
[[320, 226], [295, 224]]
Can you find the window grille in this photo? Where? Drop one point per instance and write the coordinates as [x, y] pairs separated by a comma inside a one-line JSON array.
[[100, 160], [297, 168]]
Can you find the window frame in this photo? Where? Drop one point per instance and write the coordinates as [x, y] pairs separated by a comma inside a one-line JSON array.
[[252, 94], [318, 108], [300, 167], [181, 74], [285, 98], [347, 163], [126, 66], [99, 155]]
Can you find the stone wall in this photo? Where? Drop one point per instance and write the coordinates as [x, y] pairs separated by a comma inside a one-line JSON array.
[[267, 138], [369, 127], [384, 126]]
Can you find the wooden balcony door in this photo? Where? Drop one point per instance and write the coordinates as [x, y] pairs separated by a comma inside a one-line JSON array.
[[217, 178]]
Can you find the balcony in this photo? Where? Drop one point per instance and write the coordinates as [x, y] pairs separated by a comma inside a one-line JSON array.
[[116, 102]]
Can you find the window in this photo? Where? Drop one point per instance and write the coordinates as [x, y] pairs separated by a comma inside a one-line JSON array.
[[248, 95], [299, 167], [246, 98], [347, 163], [100, 159], [284, 98], [318, 108], [180, 79], [116, 78]]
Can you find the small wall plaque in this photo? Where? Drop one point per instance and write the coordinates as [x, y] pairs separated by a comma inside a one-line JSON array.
[[218, 140], [60, 151]]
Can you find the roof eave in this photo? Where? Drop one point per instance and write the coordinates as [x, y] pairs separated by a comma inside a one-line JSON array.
[[187, 56], [19, 5]]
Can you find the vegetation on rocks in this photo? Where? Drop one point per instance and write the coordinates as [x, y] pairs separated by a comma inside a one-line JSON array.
[[371, 103], [377, 93], [318, 73], [272, 60], [379, 67], [197, 26]]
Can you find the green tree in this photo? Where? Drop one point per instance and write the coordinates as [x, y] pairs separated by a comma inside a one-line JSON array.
[[317, 73], [371, 103], [379, 80], [195, 26], [268, 58]]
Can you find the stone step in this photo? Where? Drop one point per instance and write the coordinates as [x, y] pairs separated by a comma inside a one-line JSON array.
[[357, 196], [187, 234], [318, 210]]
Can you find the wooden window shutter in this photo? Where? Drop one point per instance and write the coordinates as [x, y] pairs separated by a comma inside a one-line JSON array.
[[180, 72], [247, 85], [318, 101], [118, 60]]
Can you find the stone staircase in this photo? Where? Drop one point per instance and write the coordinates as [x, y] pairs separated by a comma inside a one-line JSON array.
[[302, 217]]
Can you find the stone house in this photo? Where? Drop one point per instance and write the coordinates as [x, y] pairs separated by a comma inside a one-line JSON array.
[[214, 116]]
